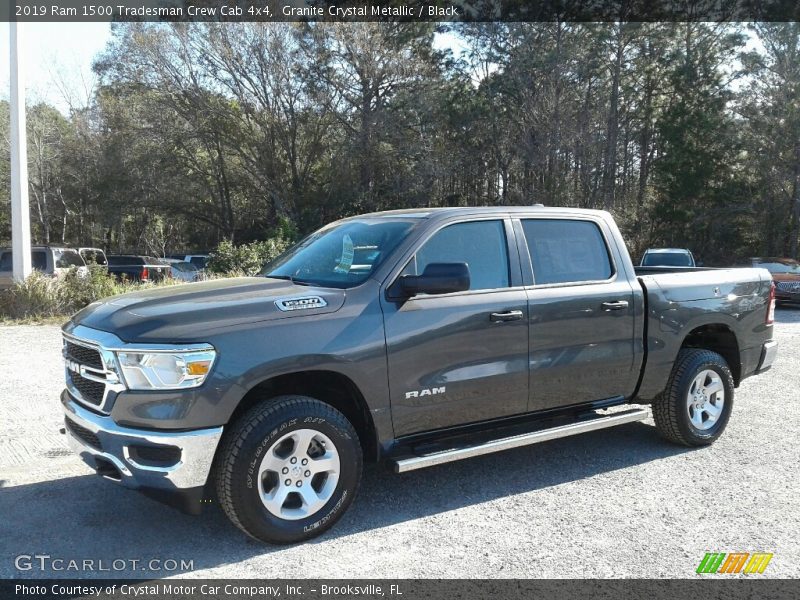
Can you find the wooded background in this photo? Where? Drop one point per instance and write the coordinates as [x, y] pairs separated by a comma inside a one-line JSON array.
[[197, 133]]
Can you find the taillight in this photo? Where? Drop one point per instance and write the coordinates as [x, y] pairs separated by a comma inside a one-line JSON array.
[[771, 305], [145, 273]]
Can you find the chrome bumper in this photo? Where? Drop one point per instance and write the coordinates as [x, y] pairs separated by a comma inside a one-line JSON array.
[[768, 354], [191, 470]]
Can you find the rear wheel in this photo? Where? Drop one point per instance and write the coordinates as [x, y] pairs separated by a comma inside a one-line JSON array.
[[695, 407], [289, 469]]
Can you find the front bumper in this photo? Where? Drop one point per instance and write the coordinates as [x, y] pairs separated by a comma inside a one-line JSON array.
[[768, 353], [787, 296], [172, 466]]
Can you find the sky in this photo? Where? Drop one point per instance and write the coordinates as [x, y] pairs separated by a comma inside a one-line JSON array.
[[57, 59]]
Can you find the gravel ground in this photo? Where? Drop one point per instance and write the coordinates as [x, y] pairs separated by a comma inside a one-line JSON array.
[[614, 503]]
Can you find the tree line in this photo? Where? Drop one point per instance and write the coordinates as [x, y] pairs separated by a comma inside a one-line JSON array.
[[205, 132]]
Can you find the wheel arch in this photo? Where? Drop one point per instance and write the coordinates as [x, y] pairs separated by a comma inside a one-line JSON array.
[[719, 338], [330, 387]]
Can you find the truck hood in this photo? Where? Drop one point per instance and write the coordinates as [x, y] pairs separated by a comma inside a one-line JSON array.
[[785, 277], [190, 312]]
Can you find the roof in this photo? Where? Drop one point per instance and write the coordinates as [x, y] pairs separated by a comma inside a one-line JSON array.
[[40, 247], [775, 259], [666, 250], [426, 213]]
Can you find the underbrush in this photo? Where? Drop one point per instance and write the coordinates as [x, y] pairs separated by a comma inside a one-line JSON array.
[[40, 297]]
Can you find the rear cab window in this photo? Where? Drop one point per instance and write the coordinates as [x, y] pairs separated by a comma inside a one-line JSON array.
[[38, 260], [119, 261], [567, 251], [667, 259]]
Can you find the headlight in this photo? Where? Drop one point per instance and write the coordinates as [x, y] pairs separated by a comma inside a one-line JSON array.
[[165, 370]]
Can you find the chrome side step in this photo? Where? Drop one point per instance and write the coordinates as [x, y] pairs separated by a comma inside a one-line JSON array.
[[403, 465]]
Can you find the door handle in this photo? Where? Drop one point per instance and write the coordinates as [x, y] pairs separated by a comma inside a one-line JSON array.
[[509, 315], [615, 305]]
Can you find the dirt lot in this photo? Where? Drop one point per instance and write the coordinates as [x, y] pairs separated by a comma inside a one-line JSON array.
[[614, 503]]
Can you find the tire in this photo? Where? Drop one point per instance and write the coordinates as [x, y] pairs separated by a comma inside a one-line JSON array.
[[683, 414], [288, 439]]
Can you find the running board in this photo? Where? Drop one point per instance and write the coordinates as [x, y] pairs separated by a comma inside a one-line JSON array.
[[403, 465]]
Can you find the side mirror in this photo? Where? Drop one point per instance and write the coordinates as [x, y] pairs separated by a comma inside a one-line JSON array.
[[437, 278]]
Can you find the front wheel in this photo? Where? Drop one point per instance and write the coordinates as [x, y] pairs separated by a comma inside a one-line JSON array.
[[695, 407], [289, 469]]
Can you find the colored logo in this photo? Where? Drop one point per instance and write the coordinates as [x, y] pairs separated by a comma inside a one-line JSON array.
[[734, 562]]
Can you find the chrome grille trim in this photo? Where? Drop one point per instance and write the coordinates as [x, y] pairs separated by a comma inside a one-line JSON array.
[[107, 374]]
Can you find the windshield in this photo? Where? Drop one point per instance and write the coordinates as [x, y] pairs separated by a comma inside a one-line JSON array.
[[667, 259], [68, 258], [786, 266], [341, 255], [183, 266]]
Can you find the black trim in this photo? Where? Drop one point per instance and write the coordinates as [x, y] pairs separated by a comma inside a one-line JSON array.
[[189, 501], [513, 420]]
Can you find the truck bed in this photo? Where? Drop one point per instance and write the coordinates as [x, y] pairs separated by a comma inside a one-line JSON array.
[[680, 302]]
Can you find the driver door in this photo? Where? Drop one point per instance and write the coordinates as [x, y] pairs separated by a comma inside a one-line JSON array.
[[460, 357]]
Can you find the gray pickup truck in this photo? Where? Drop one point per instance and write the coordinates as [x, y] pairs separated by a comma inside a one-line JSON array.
[[413, 338]]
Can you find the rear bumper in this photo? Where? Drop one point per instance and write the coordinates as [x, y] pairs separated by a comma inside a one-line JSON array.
[[171, 466], [768, 353]]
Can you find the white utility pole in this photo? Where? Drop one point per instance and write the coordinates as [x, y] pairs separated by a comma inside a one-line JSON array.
[[20, 208]]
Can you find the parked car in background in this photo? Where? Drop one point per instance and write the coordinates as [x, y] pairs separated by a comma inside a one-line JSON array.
[[94, 256], [183, 270], [138, 268], [668, 257], [49, 260], [785, 273]]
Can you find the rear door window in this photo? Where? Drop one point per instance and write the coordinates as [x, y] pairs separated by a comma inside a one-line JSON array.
[[566, 251]]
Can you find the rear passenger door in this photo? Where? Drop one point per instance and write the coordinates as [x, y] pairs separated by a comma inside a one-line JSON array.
[[581, 325], [461, 357]]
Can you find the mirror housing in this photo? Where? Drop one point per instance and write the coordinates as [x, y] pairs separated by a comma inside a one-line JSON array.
[[437, 278]]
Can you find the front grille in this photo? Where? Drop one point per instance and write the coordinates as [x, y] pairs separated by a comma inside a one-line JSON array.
[[788, 286], [90, 391], [83, 434], [85, 356]]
